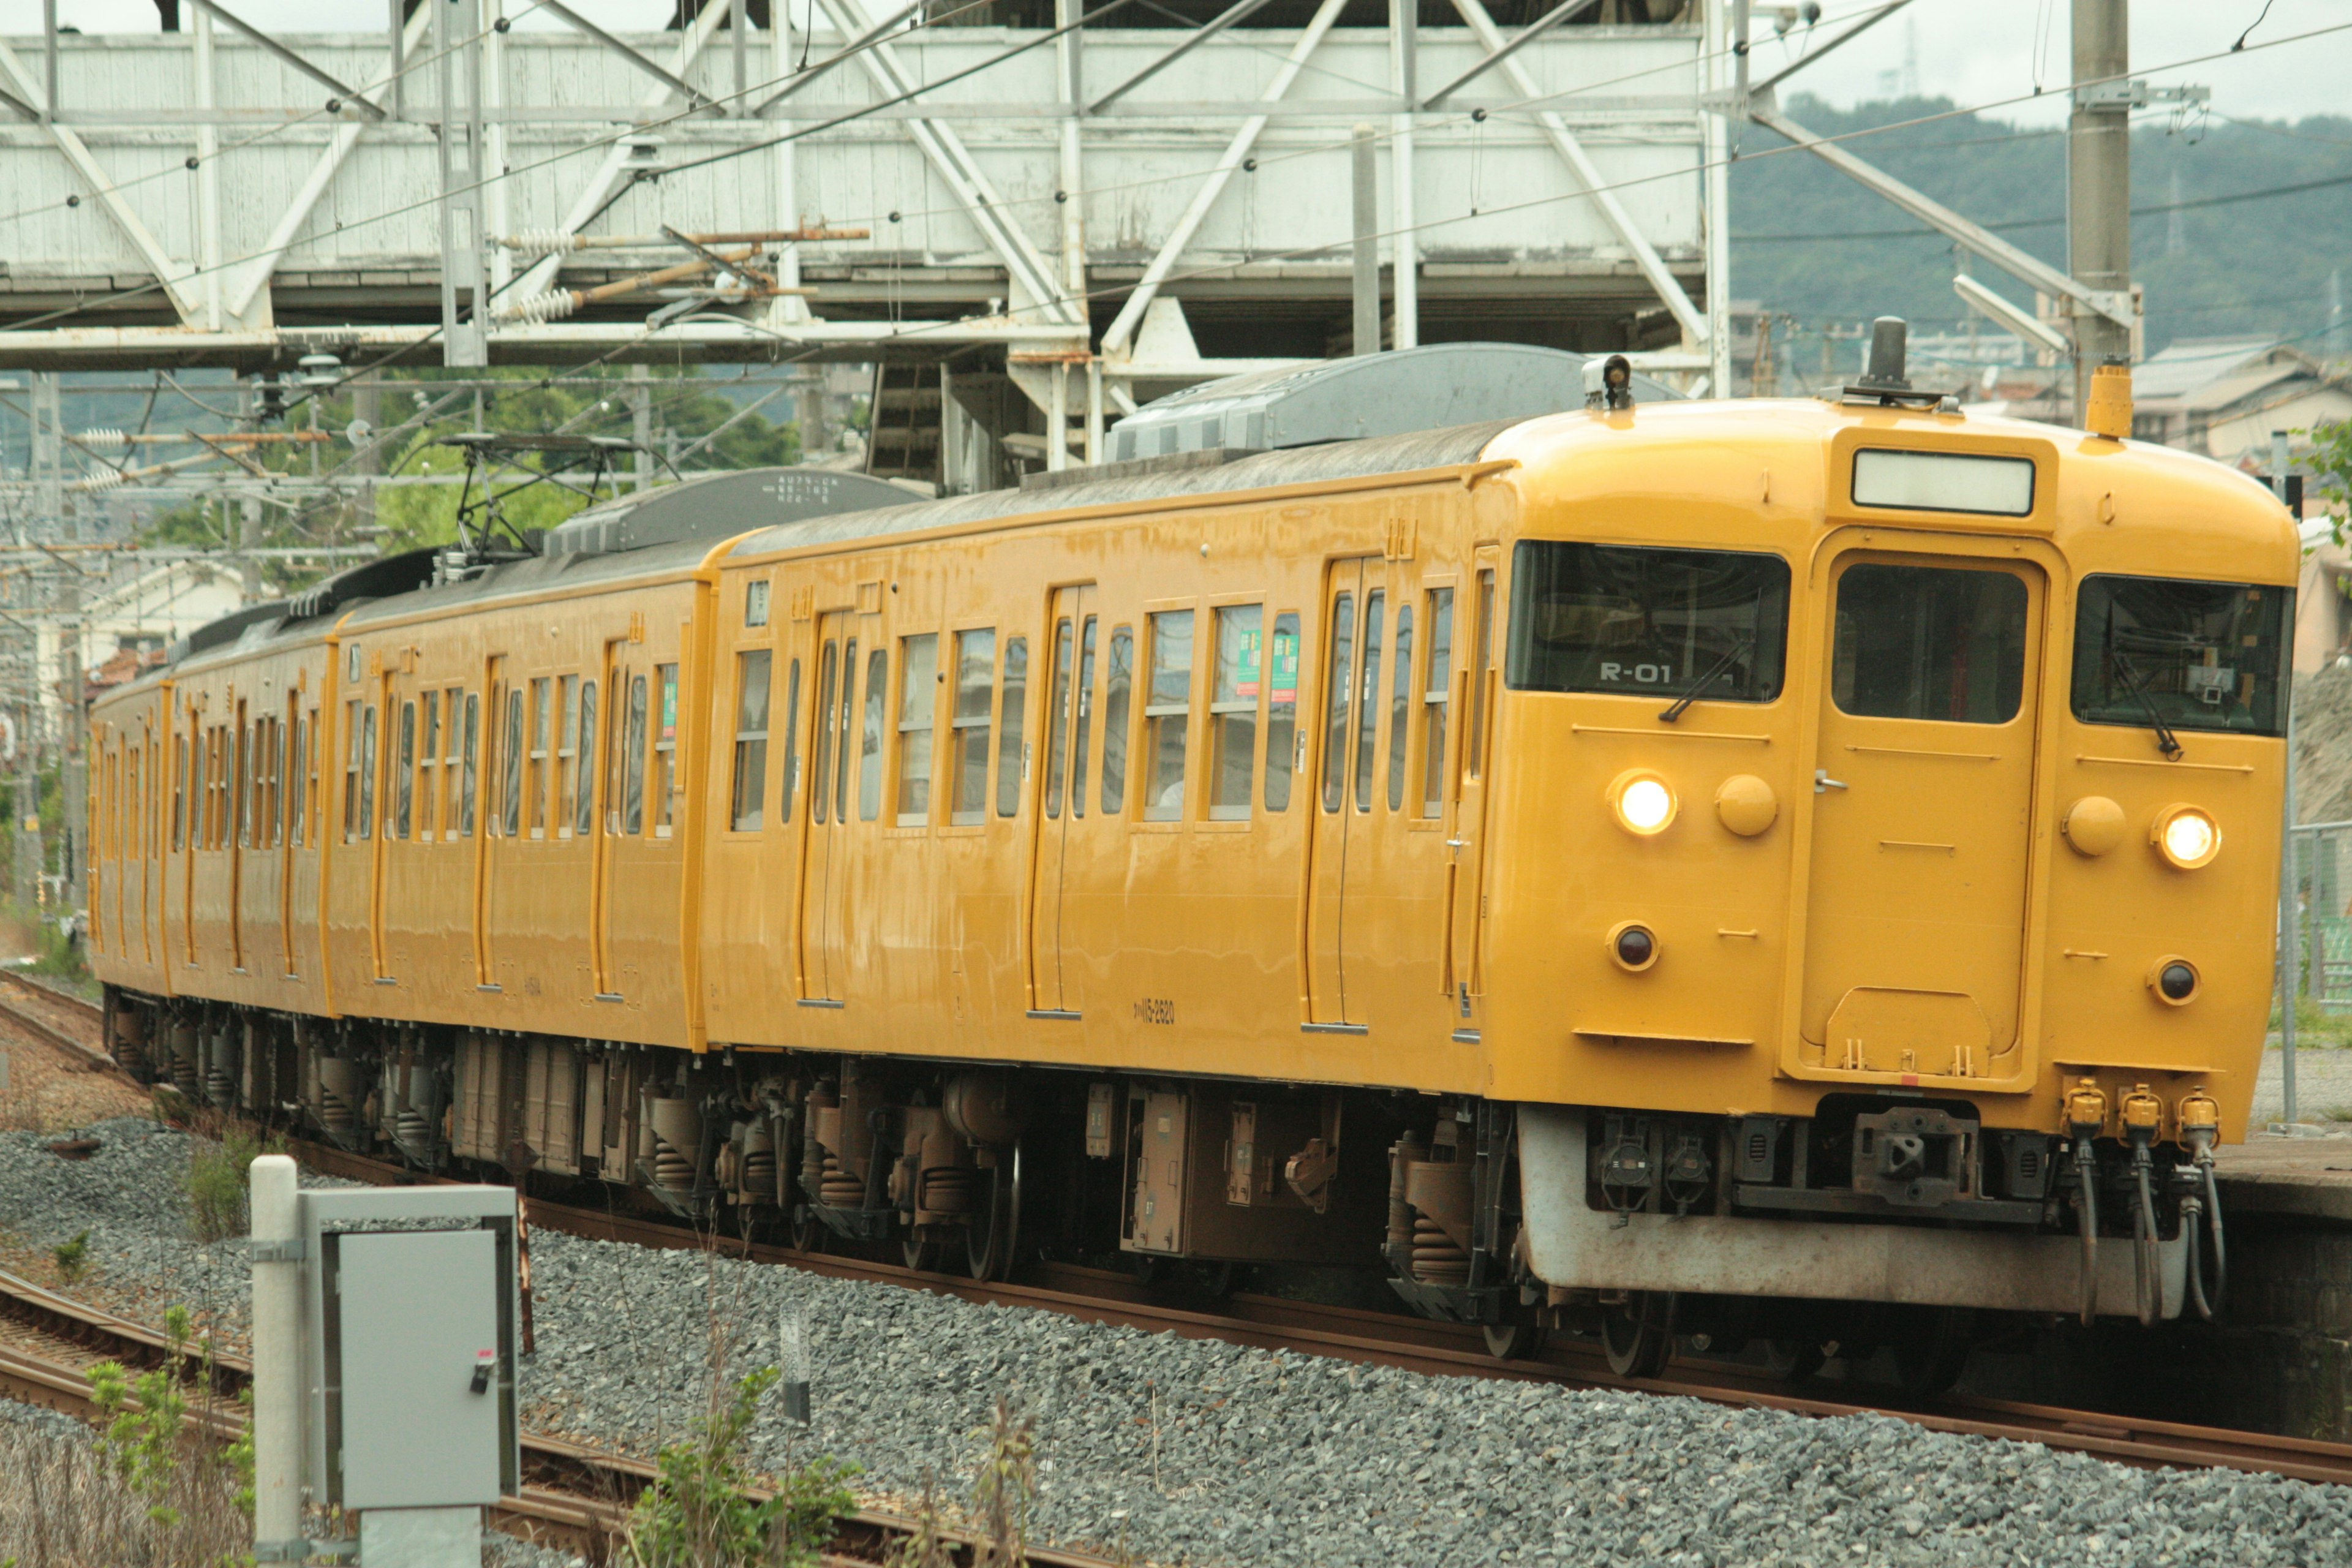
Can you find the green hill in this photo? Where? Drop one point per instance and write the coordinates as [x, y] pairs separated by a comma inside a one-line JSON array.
[[1809, 241]]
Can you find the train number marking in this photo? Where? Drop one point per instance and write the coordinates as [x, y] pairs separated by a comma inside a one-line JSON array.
[[1155, 1010]]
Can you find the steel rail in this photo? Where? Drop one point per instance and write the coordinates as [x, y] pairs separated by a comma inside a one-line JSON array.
[[1103, 1296]]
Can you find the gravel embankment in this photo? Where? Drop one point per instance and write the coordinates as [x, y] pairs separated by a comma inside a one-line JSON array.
[[1200, 1452]]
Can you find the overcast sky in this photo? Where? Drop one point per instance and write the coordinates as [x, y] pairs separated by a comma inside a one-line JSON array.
[[1972, 51]]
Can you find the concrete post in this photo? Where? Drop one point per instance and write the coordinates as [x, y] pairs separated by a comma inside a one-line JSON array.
[[641, 425], [277, 1364], [2098, 186], [1368, 244]]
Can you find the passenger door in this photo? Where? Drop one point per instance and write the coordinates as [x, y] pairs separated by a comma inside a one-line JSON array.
[[1921, 814], [1071, 653], [825, 867], [1355, 604], [1475, 696]]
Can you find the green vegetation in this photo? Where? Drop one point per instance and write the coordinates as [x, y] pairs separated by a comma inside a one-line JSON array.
[[1810, 241], [198, 1495], [216, 1183], [72, 1258], [2315, 1025], [702, 1511]]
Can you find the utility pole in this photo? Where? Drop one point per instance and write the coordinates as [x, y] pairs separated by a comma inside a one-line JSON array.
[[641, 424], [2098, 182]]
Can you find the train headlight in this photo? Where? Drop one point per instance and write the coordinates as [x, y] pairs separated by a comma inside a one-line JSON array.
[[1644, 802], [2175, 981], [1632, 946], [2186, 835]]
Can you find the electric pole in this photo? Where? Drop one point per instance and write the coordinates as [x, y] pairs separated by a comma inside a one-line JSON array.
[[2098, 182]]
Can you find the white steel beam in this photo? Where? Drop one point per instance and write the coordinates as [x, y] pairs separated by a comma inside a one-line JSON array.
[[1116, 338], [599, 186], [1572, 152], [1240, 10], [1814, 57], [972, 187], [2018, 263], [1566, 11], [1405, 249], [177, 284], [341, 88], [322, 174], [671, 79]]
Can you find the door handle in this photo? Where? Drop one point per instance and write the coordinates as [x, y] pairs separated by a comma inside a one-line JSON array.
[[1457, 843], [1823, 783]]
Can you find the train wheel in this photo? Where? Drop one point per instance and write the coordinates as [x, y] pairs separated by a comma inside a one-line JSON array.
[[1521, 1338], [922, 1254], [808, 1233], [1793, 1360], [1638, 1337], [989, 1242], [1930, 1359]]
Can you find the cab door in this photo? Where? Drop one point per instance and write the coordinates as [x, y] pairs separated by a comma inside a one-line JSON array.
[[824, 866], [1061, 792], [1921, 833]]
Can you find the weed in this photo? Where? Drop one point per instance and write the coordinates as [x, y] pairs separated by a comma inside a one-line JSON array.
[[216, 1183], [927, 1545], [1007, 1484], [196, 1495], [702, 1511], [73, 1256]]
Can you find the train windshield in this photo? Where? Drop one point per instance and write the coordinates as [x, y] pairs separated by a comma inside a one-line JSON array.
[[1647, 623], [2195, 655]]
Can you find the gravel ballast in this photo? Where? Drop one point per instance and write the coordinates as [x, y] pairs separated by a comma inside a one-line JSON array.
[[1198, 1451]]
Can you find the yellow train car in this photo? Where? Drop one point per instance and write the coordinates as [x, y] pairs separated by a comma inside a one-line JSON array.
[[1782, 870]]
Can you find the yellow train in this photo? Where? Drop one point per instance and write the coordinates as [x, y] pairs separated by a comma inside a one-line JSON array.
[[1789, 869]]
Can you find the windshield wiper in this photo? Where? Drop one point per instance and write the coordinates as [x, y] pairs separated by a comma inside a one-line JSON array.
[[1690, 693], [2165, 740]]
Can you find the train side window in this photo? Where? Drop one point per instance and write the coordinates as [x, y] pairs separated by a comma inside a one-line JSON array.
[[404, 781], [869, 740], [199, 744], [919, 706], [1119, 701], [1436, 695], [665, 749], [633, 788], [970, 724], [1011, 744], [1057, 720], [241, 794], [367, 770], [843, 716], [1233, 710], [428, 768], [1339, 686], [1482, 657], [513, 791], [540, 778], [1281, 710], [583, 810], [1400, 705], [1167, 714], [568, 776], [821, 770], [311, 742], [1083, 734], [179, 791], [789, 785], [469, 754], [1367, 705], [455, 765], [751, 782]]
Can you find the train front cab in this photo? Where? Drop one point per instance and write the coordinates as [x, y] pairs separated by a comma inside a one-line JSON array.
[[1885, 819]]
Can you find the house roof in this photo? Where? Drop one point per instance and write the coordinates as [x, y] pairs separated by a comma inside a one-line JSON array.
[[2190, 363]]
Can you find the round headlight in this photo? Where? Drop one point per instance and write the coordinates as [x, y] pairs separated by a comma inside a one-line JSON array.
[[1632, 945], [2174, 980], [1644, 802], [2187, 835]]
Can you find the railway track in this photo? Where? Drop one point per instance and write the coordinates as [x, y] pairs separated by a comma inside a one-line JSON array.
[[1352, 1334]]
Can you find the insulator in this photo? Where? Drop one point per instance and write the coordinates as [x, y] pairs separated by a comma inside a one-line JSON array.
[[93, 480], [104, 436], [542, 241], [552, 307]]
